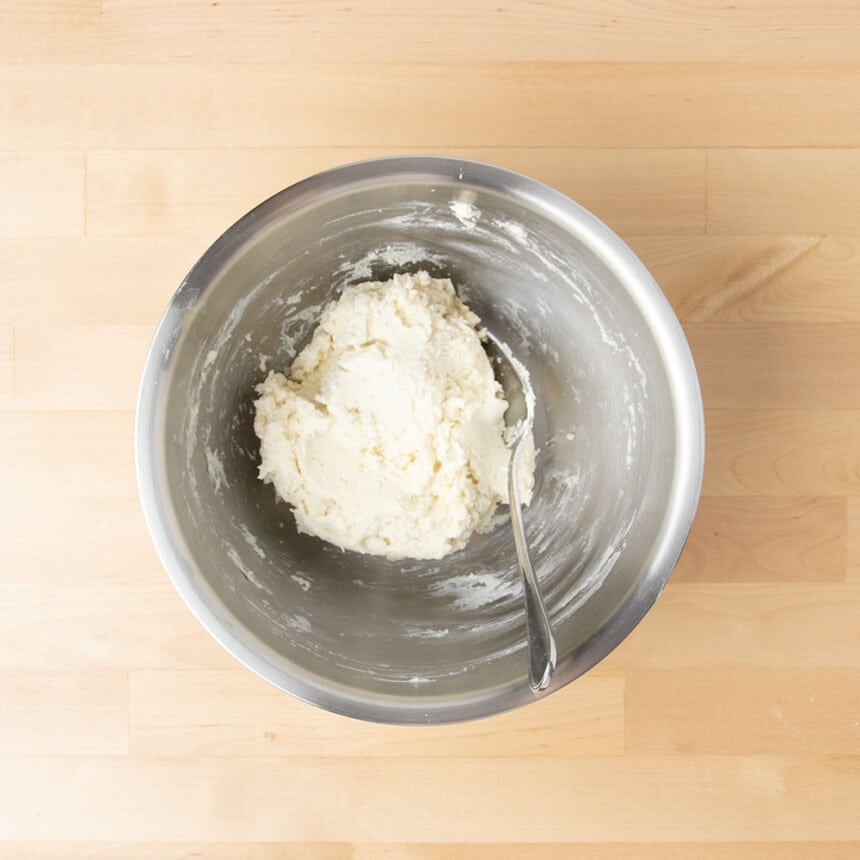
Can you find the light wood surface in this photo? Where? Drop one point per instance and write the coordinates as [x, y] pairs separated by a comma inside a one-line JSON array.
[[721, 140]]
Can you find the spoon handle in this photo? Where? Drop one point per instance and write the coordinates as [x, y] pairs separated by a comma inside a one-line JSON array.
[[542, 649]]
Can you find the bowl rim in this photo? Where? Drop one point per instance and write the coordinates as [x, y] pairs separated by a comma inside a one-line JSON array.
[[274, 667]]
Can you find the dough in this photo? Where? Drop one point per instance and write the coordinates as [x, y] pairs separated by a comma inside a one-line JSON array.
[[388, 436]]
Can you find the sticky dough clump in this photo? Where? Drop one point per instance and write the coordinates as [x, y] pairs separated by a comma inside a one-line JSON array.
[[388, 435]]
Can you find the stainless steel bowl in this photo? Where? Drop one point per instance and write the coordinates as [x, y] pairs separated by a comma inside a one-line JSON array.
[[619, 426]]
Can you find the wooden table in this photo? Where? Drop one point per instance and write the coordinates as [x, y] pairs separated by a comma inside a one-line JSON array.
[[722, 141]]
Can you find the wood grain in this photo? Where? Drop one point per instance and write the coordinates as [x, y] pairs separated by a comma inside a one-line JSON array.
[[783, 712], [609, 851], [788, 191], [746, 625], [41, 194], [89, 281], [678, 798], [765, 539], [426, 851], [269, 31], [79, 367], [50, 31], [782, 452], [150, 850], [104, 627], [171, 192], [63, 714], [7, 366], [756, 278], [634, 105], [116, 526], [66, 455], [777, 365], [207, 714]]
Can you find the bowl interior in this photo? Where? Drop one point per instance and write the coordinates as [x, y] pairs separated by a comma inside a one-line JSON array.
[[417, 640]]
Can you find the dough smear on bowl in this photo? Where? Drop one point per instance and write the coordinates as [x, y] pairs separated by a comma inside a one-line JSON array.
[[388, 436]]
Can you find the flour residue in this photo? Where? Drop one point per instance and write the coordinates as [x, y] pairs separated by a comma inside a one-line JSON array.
[[303, 582], [566, 482], [391, 256], [514, 230], [245, 570], [466, 213], [252, 541], [426, 633], [474, 591], [298, 624], [215, 468], [295, 329]]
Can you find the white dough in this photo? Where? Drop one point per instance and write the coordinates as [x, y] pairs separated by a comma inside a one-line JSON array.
[[388, 436]]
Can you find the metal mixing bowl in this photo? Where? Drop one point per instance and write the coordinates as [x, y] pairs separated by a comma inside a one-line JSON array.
[[619, 427]]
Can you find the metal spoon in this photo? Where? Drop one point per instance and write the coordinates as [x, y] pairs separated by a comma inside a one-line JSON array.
[[519, 418]]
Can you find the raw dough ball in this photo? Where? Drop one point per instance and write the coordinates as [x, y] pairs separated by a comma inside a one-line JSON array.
[[388, 436]]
